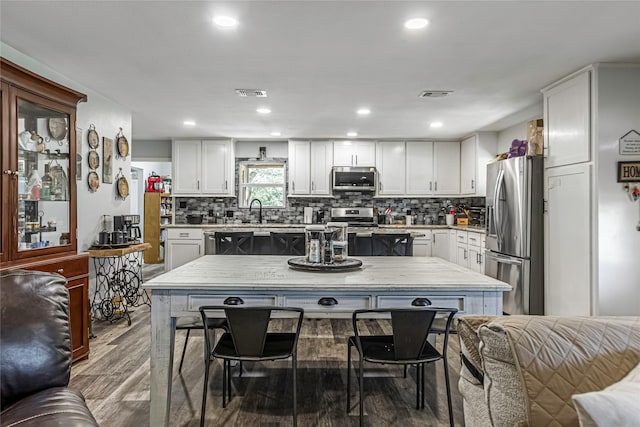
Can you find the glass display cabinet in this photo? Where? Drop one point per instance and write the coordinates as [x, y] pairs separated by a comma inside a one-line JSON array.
[[38, 214]]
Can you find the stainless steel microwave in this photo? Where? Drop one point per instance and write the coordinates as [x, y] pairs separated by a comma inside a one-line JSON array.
[[354, 178]]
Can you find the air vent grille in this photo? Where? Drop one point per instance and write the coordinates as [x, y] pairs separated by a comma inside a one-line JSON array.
[[252, 92], [435, 93]]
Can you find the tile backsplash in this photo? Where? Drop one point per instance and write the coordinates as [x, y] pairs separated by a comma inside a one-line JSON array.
[[424, 210]]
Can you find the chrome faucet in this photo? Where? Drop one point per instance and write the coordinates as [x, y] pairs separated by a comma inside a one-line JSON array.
[[259, 211]]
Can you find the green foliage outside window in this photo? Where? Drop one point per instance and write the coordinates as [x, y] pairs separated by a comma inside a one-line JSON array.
[[262, 181]]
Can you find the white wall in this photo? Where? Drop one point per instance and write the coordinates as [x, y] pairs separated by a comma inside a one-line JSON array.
[[152, 151], [517, 131], [618, 93], [252, 148], [108, 116]]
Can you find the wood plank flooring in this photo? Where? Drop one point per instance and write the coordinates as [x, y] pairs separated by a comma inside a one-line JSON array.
[[115, 382]]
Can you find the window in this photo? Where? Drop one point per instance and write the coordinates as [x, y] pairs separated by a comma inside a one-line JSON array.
[[262, 181]]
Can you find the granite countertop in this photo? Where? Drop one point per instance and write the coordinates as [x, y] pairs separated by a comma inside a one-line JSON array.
[[300, 227]]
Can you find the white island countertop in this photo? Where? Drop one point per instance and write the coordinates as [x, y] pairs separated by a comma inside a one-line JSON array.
[[254, 272]]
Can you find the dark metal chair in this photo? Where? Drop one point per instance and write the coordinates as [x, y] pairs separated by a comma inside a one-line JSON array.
[[353, 244], [407, 345], [287, 243], [234, 243], [387, 244], [189, 324], [249, 341]]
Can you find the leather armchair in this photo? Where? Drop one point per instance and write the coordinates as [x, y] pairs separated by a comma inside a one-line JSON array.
[[35, 353]]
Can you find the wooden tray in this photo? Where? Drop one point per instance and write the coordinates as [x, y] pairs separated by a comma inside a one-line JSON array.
[[302, 264]]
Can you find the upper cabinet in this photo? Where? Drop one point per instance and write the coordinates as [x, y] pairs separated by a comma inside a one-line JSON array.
[[419, 167], [432, 168], [310, 165], [38, 213], [390, 162], [567, 121], [446, 167], [203, 167], [354, 153], [475, 152]]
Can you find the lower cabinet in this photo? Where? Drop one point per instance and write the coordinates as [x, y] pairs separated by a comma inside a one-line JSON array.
[[470, 250], [440, 243], [182, 246], [422, 245]]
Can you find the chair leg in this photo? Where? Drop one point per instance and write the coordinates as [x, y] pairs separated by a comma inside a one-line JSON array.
[[295, 396], [405, 371], [418, 386], [360, 387], [184, 350], [224, 383], [422, 393], [228, 380], [204, 393], [446, 380], [348, 376]]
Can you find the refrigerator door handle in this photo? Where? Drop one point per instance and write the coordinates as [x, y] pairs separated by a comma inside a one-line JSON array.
[[503, 260], [497, 215]]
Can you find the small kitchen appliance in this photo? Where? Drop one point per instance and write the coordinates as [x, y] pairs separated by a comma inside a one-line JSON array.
[[129, 225], [354, 217], [154, 183], [354, 178]]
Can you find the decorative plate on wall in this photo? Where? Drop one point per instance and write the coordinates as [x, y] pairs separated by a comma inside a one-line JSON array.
[[57, 127], [94, 181], [92, 136], [94, 159], [122, 185], [123, 145]]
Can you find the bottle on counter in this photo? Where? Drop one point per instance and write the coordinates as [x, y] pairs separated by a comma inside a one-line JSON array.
[[47, 183], [313, 240], [340, 240], [327, 246]]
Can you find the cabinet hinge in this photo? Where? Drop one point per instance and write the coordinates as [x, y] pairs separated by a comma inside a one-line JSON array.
[[545, 206]]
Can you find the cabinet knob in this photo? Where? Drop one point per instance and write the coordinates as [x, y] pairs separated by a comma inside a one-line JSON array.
[[327, 301], [233, 301], [421, 302], [61, 270]]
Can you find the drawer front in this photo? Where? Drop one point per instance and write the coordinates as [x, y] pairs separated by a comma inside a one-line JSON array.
[[195, 301], [185, 233], [68, 267], [474, 239], [312, 302], [461, 236], [403, 301], [427, 235]]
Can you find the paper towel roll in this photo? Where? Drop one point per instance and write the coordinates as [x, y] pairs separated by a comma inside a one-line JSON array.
[[308, 215]]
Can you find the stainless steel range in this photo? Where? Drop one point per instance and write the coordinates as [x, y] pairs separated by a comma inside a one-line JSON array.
[[355, 217]]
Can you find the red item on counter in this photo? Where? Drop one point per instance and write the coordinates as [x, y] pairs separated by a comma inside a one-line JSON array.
[[154, 183]]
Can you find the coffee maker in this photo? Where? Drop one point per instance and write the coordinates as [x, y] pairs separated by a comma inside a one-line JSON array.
[[129, 225]]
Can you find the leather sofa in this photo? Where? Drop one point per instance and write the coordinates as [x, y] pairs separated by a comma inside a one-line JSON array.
[[35, 353], [524, 370]]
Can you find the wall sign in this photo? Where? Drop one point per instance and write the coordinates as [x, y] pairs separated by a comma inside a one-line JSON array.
[[629, 171], [629, 143]]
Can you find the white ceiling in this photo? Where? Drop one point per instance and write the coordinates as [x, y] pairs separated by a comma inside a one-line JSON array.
[[321, 60]]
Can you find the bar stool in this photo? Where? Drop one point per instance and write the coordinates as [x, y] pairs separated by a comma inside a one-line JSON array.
[[234, 243], [387, 244], [287, 243]]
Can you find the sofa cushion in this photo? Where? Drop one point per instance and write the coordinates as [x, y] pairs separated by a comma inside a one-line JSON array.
[[53, 407], [556, 358], [615, 405], [35, 342]]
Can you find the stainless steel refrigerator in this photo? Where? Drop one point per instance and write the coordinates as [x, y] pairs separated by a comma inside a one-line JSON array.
[[514, 221]]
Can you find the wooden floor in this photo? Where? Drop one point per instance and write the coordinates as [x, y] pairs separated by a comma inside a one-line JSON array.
[[115, 382]]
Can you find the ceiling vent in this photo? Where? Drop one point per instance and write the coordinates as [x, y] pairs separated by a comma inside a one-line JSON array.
[[434, 93], [259, 93]]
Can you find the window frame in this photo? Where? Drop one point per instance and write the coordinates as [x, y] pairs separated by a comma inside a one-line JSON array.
[[243, 170]]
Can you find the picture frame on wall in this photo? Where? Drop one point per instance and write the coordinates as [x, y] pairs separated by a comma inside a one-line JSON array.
[[107, 158]]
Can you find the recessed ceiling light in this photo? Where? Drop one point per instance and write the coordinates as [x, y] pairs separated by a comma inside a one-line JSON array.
[[416, 23], [189, 123], [364, 111], [225, 21], [436, 124], [263, 110], [275, 133], [352, 133]]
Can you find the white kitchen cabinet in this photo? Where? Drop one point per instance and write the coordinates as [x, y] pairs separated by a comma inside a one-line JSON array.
[[453, 246], [310, 165], [475, 251], [205, 168], [446, 167], [567, 241], [419, 164], [475, 152], [440, 243], [182, 245], [462, 251], [299, 164], [422, 245], [354, 153], [390, 161], [567, 120]]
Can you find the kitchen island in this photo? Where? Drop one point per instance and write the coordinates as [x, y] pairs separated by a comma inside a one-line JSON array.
[[268, 280]]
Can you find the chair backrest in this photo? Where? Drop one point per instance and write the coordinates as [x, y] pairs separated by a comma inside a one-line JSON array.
[[410, 328], [287, 243], [234, 243], [249, 326], [35, 340], [396, 244]]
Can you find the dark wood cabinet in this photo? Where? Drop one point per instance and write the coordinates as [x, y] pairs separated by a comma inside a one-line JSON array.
[[38, 216]]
